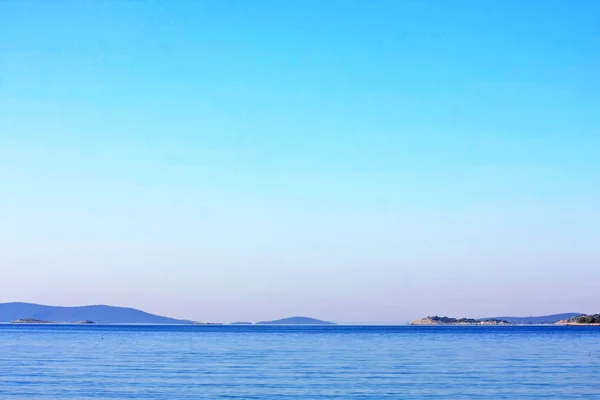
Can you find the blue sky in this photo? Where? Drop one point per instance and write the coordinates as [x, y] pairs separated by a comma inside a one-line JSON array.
[[359, 161]]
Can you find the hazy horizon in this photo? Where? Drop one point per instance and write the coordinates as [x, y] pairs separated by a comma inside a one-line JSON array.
[[349, 161], [391, 322]]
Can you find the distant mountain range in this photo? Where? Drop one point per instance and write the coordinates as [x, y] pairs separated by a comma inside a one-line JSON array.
[[545, 319], [104, 314], [296, 321], [99, 314]]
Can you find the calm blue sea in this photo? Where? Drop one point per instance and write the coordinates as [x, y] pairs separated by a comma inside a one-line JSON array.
[[269, 362]]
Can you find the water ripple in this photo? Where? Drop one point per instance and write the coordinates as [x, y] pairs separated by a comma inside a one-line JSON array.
[[241, 362]]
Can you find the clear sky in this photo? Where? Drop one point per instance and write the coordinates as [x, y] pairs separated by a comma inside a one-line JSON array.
[[358, 161]]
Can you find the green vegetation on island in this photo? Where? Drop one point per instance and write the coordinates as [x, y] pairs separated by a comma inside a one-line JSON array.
[[30, 321], [538, 320], [435, 320], [592, 319]]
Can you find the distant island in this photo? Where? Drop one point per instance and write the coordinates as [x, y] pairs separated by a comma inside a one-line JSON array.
[[541, 320], [296, 321], [101, 314], [593, 319], [564, 319], [29, 313], [40, 321], [30, 321], [435, 320]]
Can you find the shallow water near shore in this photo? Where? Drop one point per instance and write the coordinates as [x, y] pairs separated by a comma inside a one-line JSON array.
[[298, 362]]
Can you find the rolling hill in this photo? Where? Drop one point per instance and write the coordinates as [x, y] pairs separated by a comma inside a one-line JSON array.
[[97, 313], [296, 321]]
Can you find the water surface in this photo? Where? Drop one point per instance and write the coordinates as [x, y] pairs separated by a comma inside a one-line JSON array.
[[311, 362]]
